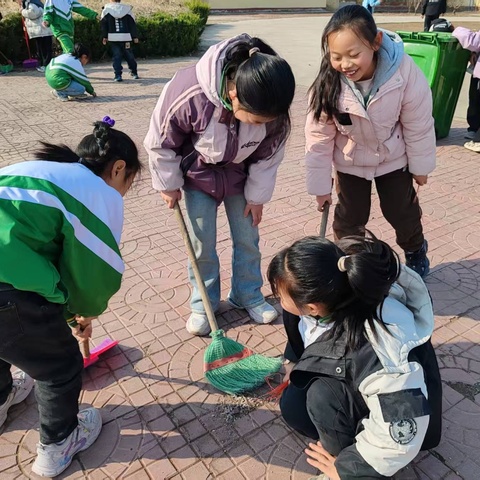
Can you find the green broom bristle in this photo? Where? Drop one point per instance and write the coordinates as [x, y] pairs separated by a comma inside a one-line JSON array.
[[236, 375]]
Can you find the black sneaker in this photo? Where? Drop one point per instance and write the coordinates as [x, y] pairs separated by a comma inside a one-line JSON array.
[[134, 75], [418, 260], [118, 78]]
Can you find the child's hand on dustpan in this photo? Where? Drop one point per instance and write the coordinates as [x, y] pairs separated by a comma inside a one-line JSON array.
[[83, 328]]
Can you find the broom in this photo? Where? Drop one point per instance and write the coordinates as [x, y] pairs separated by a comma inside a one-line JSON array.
[[30, 62], [228, 365], [275, 394]]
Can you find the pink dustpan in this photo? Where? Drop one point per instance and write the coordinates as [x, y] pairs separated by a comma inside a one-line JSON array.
[[30, 63], [97, 351]]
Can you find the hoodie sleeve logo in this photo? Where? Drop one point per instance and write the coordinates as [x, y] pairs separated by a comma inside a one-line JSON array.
[[403, 431], [250, 144]]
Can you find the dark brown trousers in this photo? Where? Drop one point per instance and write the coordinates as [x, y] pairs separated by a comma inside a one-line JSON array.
[[398, 201]]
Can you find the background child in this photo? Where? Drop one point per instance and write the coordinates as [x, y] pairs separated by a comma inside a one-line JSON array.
[[371, 4], [471, 41], [119, 29], [32, 12], [431, 10], [366, 382], [61, 221], [219, 131], [58, 15], [65, 74], [371, 115]]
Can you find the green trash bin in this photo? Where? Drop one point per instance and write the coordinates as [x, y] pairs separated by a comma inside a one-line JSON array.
[[444, 62]]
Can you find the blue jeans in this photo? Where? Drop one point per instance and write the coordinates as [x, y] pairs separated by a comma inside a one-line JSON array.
[[119, 51], [247, 278], [73, 90]]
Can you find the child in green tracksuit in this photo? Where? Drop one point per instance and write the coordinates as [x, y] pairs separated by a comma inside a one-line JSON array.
[[58, 16], [65, 74]]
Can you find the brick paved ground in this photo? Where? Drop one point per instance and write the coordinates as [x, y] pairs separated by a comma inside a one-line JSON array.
[[161, 420]]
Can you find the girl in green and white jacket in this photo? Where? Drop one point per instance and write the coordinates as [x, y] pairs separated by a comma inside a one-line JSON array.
[[65, 74], [58, 16], [60, 224]]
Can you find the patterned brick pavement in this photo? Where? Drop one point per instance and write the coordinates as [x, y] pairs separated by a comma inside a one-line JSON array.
[[161, 420]]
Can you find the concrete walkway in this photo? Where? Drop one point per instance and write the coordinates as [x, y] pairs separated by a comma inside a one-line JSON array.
[[161, 419]]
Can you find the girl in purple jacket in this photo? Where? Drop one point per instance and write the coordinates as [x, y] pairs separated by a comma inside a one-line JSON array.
[[371, 118], [218, 133]]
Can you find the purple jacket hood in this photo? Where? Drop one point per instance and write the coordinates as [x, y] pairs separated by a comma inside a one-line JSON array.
[[209, 67]]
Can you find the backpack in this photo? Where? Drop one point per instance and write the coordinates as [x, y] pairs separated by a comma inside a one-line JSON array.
[[441, 25]]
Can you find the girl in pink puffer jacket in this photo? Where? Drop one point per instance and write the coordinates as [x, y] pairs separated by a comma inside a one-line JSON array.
[[370, 116], [471, 41]]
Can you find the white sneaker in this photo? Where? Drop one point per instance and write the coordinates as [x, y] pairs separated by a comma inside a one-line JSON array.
[[264, 313], [58, 97], [197, 324], [22, 386], [82, 96], [473, 146], [53, 459]]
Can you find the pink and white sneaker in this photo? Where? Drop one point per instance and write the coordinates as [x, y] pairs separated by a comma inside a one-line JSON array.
[[53, 459]]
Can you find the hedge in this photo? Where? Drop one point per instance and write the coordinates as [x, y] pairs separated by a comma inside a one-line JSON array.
[[160, 34]]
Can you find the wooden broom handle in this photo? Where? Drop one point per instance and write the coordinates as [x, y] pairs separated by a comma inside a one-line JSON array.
[[193, 261]]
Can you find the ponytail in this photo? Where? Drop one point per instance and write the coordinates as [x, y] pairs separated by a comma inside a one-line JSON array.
[[56, 153], [96, 151], [264, 82], [350, 279]]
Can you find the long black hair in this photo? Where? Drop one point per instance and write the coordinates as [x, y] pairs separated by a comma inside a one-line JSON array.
[[325, 90], [96, 151], [80, 49], [264, 81], [309, 272]]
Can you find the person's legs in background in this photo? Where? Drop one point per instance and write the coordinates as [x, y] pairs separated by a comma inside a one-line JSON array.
[[118, 49], [130, 58]]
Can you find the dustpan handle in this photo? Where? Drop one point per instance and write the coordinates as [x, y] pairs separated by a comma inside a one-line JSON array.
[[193, 261], [85, 348]]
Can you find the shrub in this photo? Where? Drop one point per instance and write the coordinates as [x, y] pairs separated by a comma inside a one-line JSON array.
[[167, 35], [12, 43], [201, 8], [89, 33]]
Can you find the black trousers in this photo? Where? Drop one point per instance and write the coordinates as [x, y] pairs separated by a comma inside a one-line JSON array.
[[428, 22], [327, 410], [35, 337], [473, 111], [119, 52], [44, 48], [398, 202]]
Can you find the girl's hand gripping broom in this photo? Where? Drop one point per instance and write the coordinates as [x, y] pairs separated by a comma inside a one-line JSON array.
[[228, 365]]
